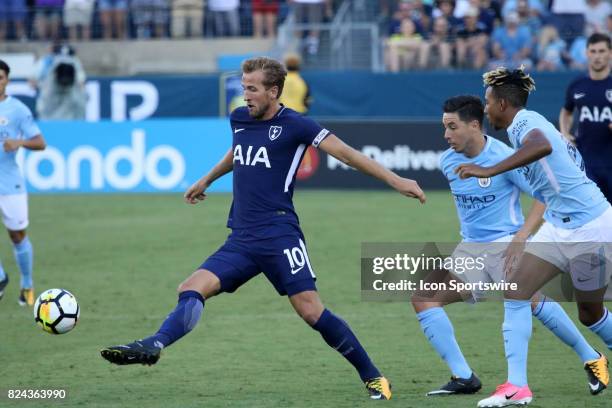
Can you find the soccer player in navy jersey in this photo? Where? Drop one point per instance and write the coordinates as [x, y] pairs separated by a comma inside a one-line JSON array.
[[492, 227], [591, 96], [269, 142]]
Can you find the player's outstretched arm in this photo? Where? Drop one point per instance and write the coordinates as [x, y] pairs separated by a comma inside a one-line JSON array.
[[535, 146], [35, 143], [566, 119], [346, 154], [195, 193]]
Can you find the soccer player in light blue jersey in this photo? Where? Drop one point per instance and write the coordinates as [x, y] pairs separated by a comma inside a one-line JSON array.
[[17, 129], [490, 217], [577, 213]]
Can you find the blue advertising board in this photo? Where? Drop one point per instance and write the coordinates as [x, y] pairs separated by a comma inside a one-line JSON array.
[[147, 156]]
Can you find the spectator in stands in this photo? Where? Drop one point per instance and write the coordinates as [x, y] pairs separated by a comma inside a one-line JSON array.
[[187, 18], [536, 7], [511, 44], [446, 9], [48, 18], [551, 50], [77, 17], [311, 12], [113, 15], [148, 14], [296, 93], [403, 49], [265, 15], [12, 11], [472, 41], [61, 87], [577, 54], [439, 43], [490, 14], [529, 18], [569, 17], [224, 14], [596, 16]]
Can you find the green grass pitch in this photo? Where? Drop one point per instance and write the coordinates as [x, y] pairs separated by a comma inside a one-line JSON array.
[[124, 255]]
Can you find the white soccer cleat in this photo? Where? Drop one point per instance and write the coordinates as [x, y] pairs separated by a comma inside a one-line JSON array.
[[506, 395]]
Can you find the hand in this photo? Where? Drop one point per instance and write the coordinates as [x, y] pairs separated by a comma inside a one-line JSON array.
[[195, 193], [513, 253], [409, 188], [467, 170], [10, 145], [570, 138]]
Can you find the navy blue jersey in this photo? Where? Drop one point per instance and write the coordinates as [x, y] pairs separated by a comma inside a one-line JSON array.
[[267, 154], [593, 103]]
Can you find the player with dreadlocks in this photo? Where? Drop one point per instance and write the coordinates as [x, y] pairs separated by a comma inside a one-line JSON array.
[[574, 238]]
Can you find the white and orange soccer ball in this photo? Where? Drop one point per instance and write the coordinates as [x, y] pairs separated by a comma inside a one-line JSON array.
[[56, 311]]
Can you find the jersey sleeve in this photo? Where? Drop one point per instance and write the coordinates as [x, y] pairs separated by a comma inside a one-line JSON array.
[[311, 132], [569, 100], [521, 128], [27, 126]]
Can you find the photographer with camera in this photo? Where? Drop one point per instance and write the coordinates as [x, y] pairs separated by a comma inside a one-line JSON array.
[[60, 81]]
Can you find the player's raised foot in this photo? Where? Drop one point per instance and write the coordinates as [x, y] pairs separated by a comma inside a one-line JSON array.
[[26, 297], [599, 376], [132, 353], [458, 386], [3, 284], [379, 388], [507, 394]]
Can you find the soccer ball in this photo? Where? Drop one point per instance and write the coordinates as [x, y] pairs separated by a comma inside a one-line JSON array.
[[56, 311]]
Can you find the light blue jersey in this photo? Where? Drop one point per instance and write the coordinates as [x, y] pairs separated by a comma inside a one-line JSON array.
[[572, 200], [16, 122], [488, 208]]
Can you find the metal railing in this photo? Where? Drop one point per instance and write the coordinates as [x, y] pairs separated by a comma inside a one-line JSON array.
[[343, 43]]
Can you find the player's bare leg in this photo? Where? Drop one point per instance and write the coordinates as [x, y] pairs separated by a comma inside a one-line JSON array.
[[338, 335], [201, 285]]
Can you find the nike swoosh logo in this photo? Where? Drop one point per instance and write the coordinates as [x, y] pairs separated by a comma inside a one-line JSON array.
[[510, 396], [594, 387], [238, 130], [583, 280], [294, 271], [579, 95]]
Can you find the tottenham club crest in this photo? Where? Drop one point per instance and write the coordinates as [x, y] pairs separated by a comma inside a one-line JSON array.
[[609, 95], [275, 132], [484, 182]]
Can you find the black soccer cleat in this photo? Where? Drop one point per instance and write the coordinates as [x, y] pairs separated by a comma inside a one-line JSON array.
[[3, 284], [132, 353], [458, 386]]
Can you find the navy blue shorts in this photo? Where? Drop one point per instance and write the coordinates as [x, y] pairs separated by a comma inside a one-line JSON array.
[[277, 251]]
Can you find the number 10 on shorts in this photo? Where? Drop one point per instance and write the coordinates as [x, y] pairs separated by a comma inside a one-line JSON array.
[[298, 258]]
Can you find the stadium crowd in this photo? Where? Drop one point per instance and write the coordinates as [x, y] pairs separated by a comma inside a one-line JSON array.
[[548, 35], [128, 19]]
